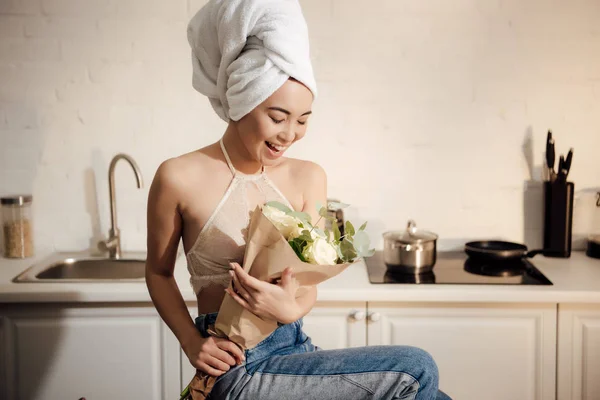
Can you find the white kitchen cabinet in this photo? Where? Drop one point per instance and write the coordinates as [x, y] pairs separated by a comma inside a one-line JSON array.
[[336, 325], [578, 352], [483, 351], [98, 352]]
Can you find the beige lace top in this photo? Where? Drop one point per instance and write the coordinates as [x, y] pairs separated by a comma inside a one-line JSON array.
[[223, 237]]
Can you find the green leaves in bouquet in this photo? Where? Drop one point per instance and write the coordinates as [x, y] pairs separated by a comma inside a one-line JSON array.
[[362, 243], [336, 232], [319, 231], [336, 205], [324, 212], [305, 236], [297, 245], [302, 216], [349, 229], [353, 244], [347, 250], [280, 206]]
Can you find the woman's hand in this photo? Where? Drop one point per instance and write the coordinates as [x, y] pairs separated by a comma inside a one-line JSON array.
[[212, 355], [267, 300]]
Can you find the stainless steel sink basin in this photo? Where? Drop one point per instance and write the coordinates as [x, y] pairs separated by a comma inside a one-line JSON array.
[[81, 267]]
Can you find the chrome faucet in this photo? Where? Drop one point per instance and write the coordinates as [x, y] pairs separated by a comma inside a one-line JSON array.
[[113, 243]]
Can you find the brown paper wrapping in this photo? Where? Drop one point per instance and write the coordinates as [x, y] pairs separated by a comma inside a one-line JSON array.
[[267, 254]]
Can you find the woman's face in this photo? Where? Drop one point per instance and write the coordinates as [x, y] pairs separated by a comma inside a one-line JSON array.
[[278, 122]]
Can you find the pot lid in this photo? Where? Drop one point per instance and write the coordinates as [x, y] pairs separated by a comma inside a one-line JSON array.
[[17, 200], [411, 234]]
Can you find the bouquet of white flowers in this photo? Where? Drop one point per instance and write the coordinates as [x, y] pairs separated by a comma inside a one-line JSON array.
[[314, 245], [279, 237]]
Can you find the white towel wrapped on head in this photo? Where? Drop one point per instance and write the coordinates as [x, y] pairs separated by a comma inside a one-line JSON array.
[[244, 50]]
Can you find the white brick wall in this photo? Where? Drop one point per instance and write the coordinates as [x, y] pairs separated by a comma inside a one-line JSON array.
[[424, 108]]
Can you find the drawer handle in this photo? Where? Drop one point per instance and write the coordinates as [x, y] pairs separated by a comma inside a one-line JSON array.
[[374, 317], [357, 315]]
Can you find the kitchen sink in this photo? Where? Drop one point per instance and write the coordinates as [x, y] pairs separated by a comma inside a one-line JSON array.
[[78, 267]]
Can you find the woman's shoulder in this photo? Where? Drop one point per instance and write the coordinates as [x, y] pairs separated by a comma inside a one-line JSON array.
[[305, 170], [180, 171]]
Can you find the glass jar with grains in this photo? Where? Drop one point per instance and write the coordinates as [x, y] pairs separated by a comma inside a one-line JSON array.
[[17, 226]]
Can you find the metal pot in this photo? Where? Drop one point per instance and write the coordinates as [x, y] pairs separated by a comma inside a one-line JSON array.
[[410, 251]]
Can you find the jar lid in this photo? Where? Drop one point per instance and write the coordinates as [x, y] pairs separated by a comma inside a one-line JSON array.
[[411, 235], [17, 200]]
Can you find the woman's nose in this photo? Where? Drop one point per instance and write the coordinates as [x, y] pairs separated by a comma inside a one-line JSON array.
[[288, 133]]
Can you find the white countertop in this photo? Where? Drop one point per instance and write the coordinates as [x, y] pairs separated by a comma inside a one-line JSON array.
[[575, 280]]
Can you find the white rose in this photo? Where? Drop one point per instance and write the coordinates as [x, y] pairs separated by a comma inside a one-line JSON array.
[[320, 252], [296, 231], [283, 222]]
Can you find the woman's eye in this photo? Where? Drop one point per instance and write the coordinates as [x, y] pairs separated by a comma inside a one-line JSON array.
[[277, 121], [302, 122]]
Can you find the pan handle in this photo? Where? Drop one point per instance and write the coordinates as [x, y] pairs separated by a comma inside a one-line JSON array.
[[534, 253], [549, 253]]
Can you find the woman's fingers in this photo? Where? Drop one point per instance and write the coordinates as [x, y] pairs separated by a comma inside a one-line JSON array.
[[238, 298], [210, 370], [218, 364], [248, 281], [231, 348], [288, 278], [238, 286]]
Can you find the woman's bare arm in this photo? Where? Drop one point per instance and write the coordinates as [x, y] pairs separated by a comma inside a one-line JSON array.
[[211, 355], [164, 232]]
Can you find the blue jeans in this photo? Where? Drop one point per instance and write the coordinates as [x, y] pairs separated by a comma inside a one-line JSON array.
[[287, 366]]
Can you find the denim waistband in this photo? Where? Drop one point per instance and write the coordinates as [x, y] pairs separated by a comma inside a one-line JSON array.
[[286, 335]]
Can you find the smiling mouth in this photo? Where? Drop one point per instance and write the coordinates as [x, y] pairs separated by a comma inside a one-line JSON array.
[[276, 148]]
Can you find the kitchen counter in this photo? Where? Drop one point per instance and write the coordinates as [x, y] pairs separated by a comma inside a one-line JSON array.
[[575, 280]]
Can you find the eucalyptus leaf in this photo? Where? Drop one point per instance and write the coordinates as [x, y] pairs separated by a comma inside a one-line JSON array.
[[328, 235], [319, 231], [279, 206], [323, 212], [338, 250], [302, 216], [336, 205], [348, 252], [363, 226], [319, 205], [349, 229], [305, 236], [336, 232], [361, 243]]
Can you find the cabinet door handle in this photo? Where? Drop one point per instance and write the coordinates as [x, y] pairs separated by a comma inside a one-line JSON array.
[[357, 315], [374, 316]]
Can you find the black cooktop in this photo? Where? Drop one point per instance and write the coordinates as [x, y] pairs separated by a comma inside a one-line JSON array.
[[457, 268]]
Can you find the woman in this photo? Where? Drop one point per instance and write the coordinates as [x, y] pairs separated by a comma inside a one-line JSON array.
[[251, 59]]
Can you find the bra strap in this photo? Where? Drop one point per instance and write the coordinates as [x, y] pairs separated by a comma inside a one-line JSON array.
[[227, 157]]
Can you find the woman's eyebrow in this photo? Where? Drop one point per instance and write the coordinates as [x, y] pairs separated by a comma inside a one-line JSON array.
[[283, 110]]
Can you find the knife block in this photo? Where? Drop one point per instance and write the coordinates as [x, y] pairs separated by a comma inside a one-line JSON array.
[[558, 218]]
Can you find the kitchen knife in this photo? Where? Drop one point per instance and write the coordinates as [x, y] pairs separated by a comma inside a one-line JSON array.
[[550, 156], [561, 170], [568, 162]]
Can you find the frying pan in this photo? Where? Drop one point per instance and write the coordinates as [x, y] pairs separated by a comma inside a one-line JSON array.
[[497, 250]]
